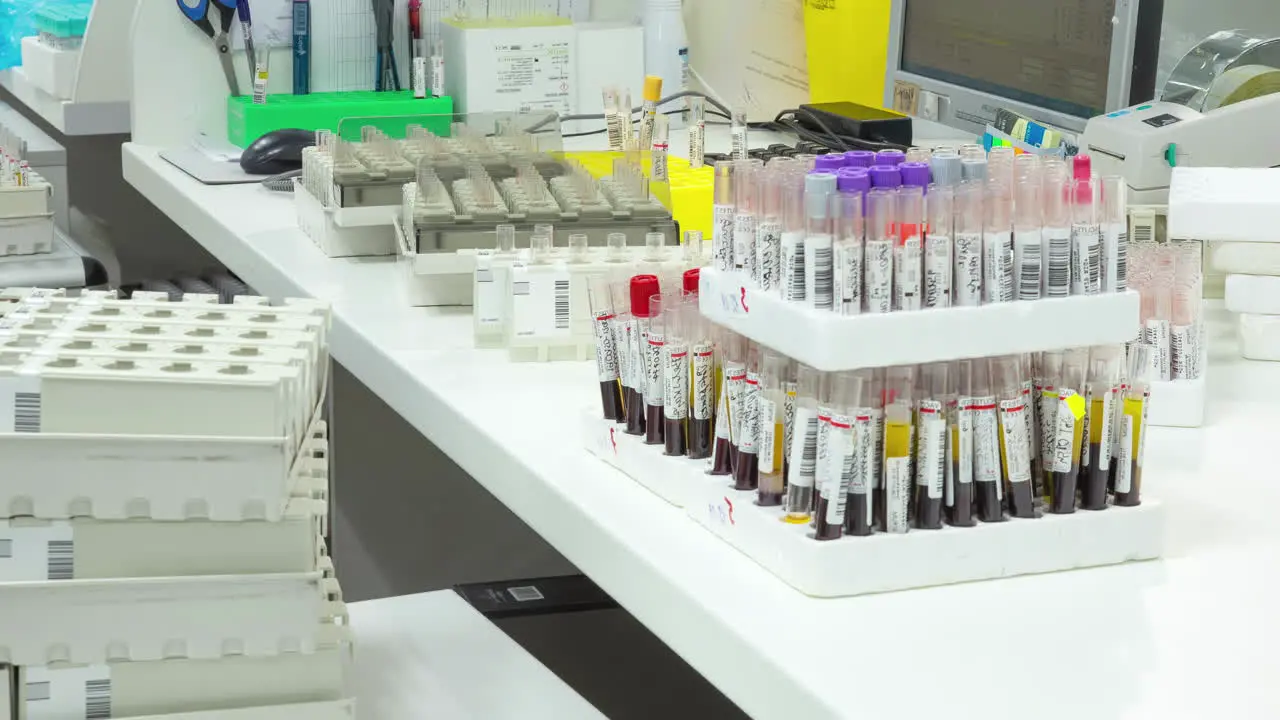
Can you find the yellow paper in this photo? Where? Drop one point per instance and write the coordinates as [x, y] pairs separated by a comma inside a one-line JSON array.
[[847, 42]]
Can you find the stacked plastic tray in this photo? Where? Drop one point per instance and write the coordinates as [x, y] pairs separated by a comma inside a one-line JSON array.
[[26, 212], [163, 509]]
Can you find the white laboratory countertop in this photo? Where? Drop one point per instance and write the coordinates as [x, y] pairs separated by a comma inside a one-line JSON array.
[[434, 656], [1191, 636]]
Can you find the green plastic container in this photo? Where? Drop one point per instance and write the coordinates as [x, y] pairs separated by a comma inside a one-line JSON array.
[[388, 111]]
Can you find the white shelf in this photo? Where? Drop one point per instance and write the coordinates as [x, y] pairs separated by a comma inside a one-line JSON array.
[[68, 116], [827, 341], [1192, 635]]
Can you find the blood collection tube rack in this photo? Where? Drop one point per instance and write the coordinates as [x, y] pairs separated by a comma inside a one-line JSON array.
[[882, 562], [827, 341], [26, 211]]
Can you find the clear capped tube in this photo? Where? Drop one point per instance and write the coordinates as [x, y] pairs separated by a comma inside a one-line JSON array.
[[1115, 234], [1057, 232], [1028, 242], [847, 253], [878, 263], [1015, 442], [600, 297], [794, 222], [1133, 428], [772, 405], [818, 240], [967, 280], [997, 245], [723, 216], [803, 450], [938, 263], [1086, 240], [746, 176], [909, 249], [768, 243], [1104, 394]]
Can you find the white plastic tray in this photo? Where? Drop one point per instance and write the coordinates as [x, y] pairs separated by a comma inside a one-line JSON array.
[[1253, 294], [433, 279], [357, 235], [32, 235], [646, 464], [1230, 204], [50, 69], [1259, 337], [98, 621], [337, 710], [1244, 258], [827, 341]]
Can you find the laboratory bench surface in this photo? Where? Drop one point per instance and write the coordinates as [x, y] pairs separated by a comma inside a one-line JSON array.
[[1190, 636]]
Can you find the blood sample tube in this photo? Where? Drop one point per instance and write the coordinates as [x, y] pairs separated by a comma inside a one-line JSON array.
[[1103, 384], [1115, 234], [986, 444], [1057, 231], [967, 281], [788, 415], [1133, 427], [997, 245], [794, 221], [735, 382], [909, 249], [721, 460], [803, 449], [847, 294], [818, 240], [655, 339], [601, 299], [702, 391], [878, 272], [1050, 373], [899, 440], [1015, 444], [860, 513], [890, 157], [873, 399], [746, 472], [826, 408], [723, 216], [1031, 418], [768, 264], [938, 266], [1086, 240], [627, 337], [1028, 242], [675, 376], [746, 176], [959, 498], [931, 449], [1068, 432], [830, 507], [772, 432]]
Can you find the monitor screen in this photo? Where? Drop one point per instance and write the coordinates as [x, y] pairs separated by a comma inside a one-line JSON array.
[[1054, 54]]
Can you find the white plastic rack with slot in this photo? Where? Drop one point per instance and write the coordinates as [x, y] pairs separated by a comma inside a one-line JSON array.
[[335, 710]]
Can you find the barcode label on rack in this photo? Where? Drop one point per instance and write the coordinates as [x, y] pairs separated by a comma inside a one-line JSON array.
[[1086, 248], [540, 301], [1057, 276], [819, 271], [722, 237], [768, 254], [1028, 251], [20, 404], [36, 553], [525, 593], [848, 278], [937, 271], [793, 266], [878, 287], [804, 448], [968, 270], [68, 693]]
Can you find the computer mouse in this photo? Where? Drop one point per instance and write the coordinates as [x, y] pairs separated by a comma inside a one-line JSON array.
[[276, 152]]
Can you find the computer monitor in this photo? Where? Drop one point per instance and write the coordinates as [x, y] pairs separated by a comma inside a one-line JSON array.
[[1059, 62]]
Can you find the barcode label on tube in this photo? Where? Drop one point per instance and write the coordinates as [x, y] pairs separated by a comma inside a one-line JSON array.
[[967, 282], [1124, 470], [1028, 263], [897, 479], [848, 278], [986, 440], [1122, 261], [675, 383], [1181, 361], [722, 237], [999, 272], [768, 254], [744, 243], [788, 415], [1017, 446], [1063, 452], [932, 450], [819, 271], [907, 259], [879, 277], [606, 356], [704, 382], [653, 394], [1086, 249], [750, 440], [1156, 334], [768, 429], [792, 279], [821, 459], [937, 271], [1057, 274], [839, 475], [804, 448]]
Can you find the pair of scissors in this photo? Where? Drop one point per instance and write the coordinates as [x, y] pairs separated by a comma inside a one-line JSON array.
[[388, 77], [198, 12]]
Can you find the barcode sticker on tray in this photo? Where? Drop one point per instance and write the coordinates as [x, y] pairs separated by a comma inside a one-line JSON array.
[[36, 553], [20, 406], [525, 593], [68, 693], [540, 302]]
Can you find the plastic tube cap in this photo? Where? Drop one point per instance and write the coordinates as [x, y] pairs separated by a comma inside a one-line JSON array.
[[946, 169], [829, 163], [885, 176], [890, 157], [652, 88], [818, 187], [643, 287], [853, 179], [859, 158], [1082, 167], [915, 173], [691, 278]]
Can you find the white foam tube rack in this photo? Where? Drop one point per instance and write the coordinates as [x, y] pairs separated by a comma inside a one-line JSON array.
[[882, 562], [26, 217], [226, 397], [1225, 204], [345, 232], [146, 688], [830, 342]]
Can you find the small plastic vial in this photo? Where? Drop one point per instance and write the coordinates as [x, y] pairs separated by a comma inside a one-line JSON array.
[[491, 288]]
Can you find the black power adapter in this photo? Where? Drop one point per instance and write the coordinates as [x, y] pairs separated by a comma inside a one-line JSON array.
[[857, 121]]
